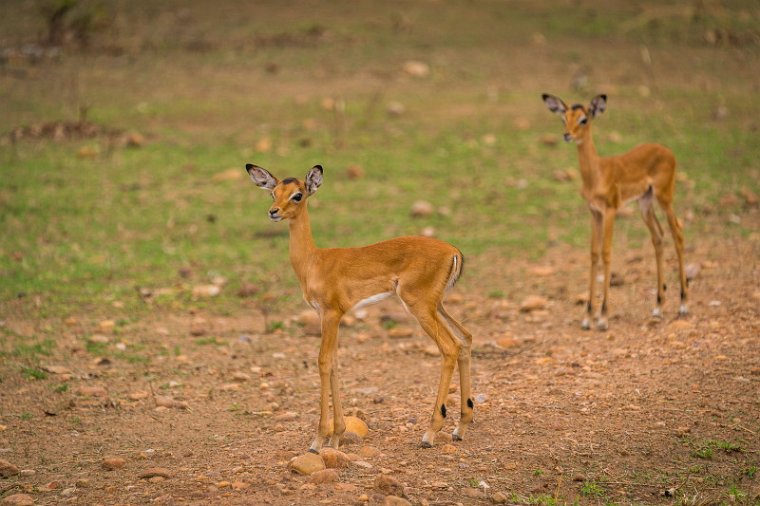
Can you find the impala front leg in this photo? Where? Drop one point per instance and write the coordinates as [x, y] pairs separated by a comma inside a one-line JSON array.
[[607, 225], [339, 423], [327, 352], [596, 233]]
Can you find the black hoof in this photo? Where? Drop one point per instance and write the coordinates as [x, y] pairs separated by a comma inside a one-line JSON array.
[[312, 450], [456, 437], [425, 444]]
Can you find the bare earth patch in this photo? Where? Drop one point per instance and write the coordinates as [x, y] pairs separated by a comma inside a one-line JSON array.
[[648, 412]]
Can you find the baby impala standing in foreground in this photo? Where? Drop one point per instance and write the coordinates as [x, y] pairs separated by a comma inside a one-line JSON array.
[[335, 280]]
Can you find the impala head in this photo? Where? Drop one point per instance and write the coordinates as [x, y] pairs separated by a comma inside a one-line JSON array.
[[290, 194], [577, 117]]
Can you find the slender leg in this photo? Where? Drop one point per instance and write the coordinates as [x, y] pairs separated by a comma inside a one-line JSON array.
[[655, 230], [339, 423], [608, 221], [449, 346], [675, 229], [330, 322], [596, 227], [465, 381]]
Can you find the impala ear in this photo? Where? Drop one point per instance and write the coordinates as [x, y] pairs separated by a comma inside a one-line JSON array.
[[598, 105], [261, 177], [314, 179], [555, 104]]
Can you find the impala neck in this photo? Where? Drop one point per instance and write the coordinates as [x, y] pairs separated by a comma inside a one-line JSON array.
[[302, 246], [589, 159]]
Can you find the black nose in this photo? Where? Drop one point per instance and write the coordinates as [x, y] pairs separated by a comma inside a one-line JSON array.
[[274, 211], [568, 137]]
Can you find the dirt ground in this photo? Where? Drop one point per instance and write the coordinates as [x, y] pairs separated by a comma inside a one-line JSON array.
[[647, 412]]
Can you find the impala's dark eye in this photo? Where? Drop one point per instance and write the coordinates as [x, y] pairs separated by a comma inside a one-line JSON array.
[[583, 121], [297, 197]]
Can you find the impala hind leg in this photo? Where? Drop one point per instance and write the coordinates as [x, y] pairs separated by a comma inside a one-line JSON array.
[[327, 355], [434, 326], [655, 230], [677, 232], [463, 363]]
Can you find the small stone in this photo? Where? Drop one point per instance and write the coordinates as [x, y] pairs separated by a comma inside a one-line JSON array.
[[51, 485], [168, 402], [134, 140], [448, 449], [27, 472], [308, 463], [138, 395], [357, 426], [312, 324], [427, 232], [472, 492], [499, 498], [395, 109], [18, 500], [206, 291], [354, 172], [533, 303], [362, 463], [346, 487], [92, 391], [155, 472], [100, 339], [113, 463], [56, 369], [240, 485], [83, 483], [422, 208], [288, 416], [439, 484], [247, 290], [393, 500], [388, 485], [549, 140], [198, 326], [7, 469], [416, 68], [507, 342], [324, 476], [400, 332], [334, 459], [107, 325], [222, 484], [369, 452], [692, 270], [68, 491]]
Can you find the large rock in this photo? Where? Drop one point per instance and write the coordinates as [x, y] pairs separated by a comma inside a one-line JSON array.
[[308, 463], [389, 485], [533, 303], [334, 459], [7, 469], [18, 500], [393, 500], [324, 476], [357, 426]]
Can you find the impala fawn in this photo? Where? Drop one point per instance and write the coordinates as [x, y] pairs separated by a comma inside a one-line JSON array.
[[645, 173], [335, 280]]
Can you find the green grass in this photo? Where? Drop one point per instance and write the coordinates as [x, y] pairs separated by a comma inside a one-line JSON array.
[[33, 373], [81, 234], [592, 489]]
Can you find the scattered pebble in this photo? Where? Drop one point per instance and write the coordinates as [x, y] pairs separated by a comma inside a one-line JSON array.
[[533, 303], [334, 459], [308, 463], [18, 500], [7, 469], [324, 476], [155, 472], [388, 485], [416, 68], [421, 209], [113, 463]]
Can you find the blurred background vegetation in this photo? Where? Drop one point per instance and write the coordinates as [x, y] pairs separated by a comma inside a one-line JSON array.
[[125, 127]]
